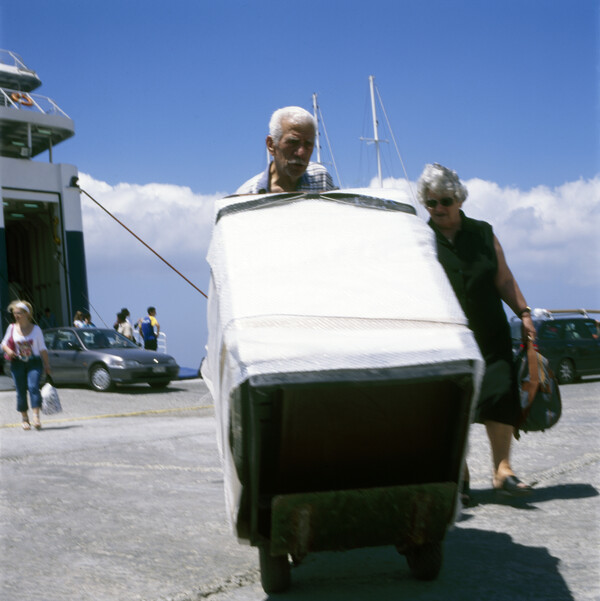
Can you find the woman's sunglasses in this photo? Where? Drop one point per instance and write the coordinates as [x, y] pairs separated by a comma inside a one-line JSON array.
[[445, 202]]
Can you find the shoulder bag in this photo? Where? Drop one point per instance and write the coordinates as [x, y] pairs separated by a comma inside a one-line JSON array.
[[539, 394], [10, 343]]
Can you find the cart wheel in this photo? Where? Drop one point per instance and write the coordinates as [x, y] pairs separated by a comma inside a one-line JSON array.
[[425, 561], [274, 572]]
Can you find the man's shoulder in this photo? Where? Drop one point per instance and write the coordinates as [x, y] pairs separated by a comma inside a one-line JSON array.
[[255, 184], [316, 178], [250, 186], [315, 169]]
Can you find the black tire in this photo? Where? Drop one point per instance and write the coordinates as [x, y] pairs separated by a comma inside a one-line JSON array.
[[425, 561], [100, 379], [566, 373], [161, 384], [275, 574]]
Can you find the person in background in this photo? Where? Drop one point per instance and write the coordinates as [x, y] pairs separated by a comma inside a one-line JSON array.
[[87, 320], [78, 321], [124, 327], [474, 262], [290, 142], [125, 312], [150, 329], [47, 320], [26, 350]]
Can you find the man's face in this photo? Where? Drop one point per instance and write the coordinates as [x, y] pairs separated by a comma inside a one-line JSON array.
[[294, 149]]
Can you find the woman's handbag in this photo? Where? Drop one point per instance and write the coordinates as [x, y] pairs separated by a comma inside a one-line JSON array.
[[50, 401], [10, 343], [539, 395]]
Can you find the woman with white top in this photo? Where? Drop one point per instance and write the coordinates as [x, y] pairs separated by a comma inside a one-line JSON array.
[[24, 346]]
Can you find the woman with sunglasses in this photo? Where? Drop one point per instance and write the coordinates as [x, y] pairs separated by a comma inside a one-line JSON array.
[[474, 262], [26, 350]]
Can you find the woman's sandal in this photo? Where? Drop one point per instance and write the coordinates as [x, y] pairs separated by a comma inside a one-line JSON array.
[[26, 425], [513, 487], [36, 423]]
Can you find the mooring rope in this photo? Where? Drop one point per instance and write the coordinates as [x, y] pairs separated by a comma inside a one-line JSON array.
[[75, 184]]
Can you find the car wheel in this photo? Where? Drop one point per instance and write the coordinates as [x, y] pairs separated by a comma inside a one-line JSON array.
[[566, 372], [161, 384], [100, 379]]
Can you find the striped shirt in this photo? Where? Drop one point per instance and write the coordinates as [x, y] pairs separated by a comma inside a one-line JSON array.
[[315, 179]]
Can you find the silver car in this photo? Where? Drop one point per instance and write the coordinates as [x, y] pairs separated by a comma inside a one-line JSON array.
[[103, 358]]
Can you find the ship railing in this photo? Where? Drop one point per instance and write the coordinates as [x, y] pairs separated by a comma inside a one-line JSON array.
[[161, 344], [14, 60], [30, 102]]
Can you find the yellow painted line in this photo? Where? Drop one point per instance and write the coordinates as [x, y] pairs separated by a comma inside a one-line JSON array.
[[131, 466], [109, 415]]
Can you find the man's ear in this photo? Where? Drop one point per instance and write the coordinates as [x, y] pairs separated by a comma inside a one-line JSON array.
[[270, 145]]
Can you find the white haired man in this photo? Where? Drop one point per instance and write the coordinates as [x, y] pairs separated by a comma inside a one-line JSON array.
[[290, 141]]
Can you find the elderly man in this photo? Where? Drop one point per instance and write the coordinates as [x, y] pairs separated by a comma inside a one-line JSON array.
[[290, 141]]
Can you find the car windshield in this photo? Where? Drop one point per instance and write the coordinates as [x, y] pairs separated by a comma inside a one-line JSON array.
[[93, 338]]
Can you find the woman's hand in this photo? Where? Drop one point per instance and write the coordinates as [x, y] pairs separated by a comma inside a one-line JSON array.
[[528, 327], [46, 362], [11, 354]]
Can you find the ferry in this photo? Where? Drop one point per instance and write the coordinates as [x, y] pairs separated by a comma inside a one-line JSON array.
[[42, 257]]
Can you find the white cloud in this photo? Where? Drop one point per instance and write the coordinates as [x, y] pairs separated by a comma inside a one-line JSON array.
[[122, 272], [549, 235], [546, 233], [172, 220]]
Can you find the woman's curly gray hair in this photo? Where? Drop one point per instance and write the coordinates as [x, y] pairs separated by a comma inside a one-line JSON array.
[[440, 180], [295, 115]]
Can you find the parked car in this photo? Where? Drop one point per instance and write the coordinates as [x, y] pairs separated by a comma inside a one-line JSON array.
[[103, 358], [570, 342]]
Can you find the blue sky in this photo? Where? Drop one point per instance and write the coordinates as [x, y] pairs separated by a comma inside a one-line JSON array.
[[171, 103]]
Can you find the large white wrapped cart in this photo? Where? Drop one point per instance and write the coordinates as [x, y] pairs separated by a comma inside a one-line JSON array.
[[343, 376]]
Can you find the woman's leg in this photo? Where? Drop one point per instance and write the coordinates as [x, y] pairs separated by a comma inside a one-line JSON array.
[[37, 424], [500, 436], [34, 374], [19, 375]]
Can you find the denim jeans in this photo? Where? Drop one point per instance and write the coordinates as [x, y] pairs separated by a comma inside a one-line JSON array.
[[26, 375]]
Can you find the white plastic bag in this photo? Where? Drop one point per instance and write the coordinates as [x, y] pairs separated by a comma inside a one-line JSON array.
[[50, 401]]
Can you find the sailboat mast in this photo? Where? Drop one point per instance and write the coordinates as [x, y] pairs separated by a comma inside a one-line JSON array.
[[375, 129], [317, 141]]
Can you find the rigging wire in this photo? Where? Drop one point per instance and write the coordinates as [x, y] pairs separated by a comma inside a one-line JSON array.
[[363, 155], [395, 144], [76, 185], [95, 310], [329, 147]]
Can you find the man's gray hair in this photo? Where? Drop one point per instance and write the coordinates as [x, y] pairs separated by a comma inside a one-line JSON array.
[[440, 180], [295, 115]]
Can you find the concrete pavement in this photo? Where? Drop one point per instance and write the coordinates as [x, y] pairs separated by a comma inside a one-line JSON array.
[[120, 498]]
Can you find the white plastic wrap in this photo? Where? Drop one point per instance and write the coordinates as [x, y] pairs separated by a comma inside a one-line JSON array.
[[311, 284]]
